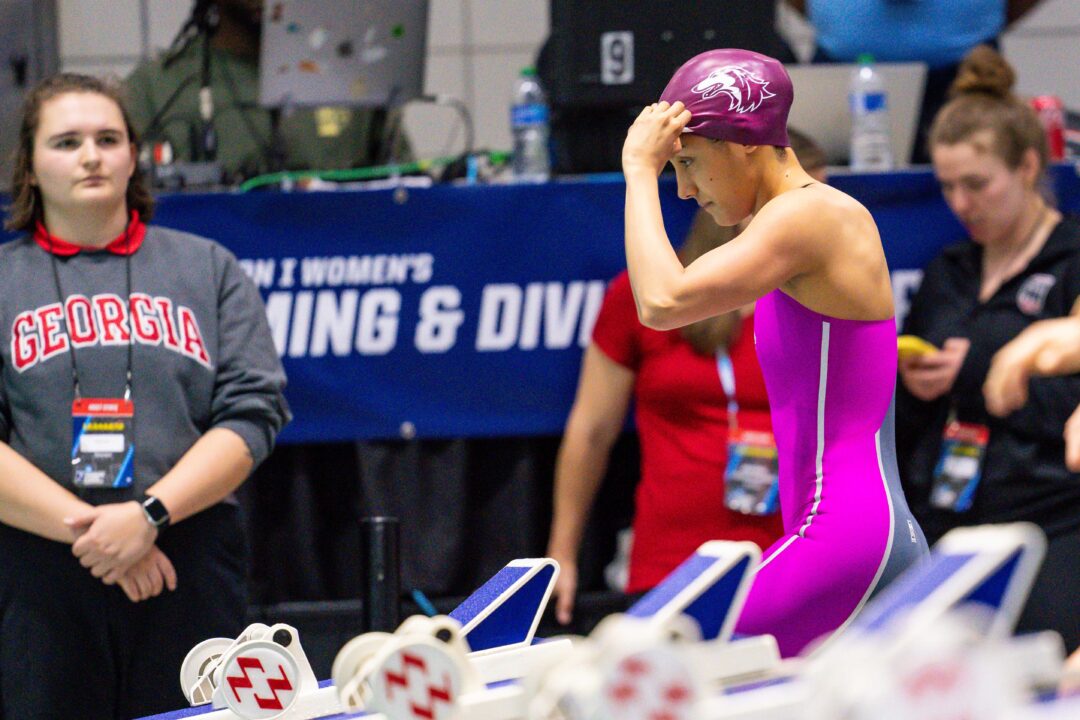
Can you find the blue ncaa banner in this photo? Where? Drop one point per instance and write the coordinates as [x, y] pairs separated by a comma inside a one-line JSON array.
[[462, 311]]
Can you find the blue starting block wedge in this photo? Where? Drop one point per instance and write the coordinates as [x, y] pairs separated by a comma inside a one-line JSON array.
[[988, 568], [504, 612], [710, 587]]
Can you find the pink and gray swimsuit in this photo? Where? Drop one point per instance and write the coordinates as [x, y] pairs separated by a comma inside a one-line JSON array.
[[848, 530]]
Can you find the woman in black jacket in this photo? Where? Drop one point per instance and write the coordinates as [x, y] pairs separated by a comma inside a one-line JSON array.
[[961, 465]]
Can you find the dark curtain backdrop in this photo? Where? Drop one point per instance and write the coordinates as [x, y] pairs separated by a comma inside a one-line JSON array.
[[466, 507]]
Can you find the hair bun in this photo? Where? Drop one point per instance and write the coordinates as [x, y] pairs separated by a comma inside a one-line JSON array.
[[983, 70]]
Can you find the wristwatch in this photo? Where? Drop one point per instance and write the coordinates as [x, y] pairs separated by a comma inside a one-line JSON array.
[[156, 512]]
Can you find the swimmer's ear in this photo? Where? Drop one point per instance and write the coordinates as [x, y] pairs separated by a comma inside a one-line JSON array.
[[677, 148]]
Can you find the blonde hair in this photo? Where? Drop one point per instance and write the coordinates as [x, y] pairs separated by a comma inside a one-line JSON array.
[[983, 101]]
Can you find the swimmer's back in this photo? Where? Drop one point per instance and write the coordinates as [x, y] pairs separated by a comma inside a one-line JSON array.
[[848, 277]]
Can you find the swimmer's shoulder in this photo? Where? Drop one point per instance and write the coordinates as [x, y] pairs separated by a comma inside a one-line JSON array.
[[816, 206], [820, 197], [816, 223]]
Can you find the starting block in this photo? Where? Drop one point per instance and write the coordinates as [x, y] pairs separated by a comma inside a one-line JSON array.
[[710, 588], [988, 570], [467, 660], [669, 652], [488, 668], [262, 674], [673, 652], [934, 643]]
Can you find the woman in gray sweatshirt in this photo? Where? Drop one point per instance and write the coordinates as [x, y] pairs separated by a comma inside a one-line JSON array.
[[139, 387]]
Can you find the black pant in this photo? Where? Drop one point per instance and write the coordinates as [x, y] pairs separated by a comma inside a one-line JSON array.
[[72, 647], [1053, 603]]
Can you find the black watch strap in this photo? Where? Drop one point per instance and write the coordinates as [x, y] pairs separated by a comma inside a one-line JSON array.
[[156, 512]]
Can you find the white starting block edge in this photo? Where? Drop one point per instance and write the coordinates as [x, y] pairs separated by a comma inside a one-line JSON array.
[[1036, 657], [1062, 709], [322, 702], [736, 661], [519, 662], [783, 699], [504, 702]]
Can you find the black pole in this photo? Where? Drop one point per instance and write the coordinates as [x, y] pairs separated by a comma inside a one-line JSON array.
[[205, 147], [381, 573]]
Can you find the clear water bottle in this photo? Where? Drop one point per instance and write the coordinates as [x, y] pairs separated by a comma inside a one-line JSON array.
[[868, 101], [529, 126]]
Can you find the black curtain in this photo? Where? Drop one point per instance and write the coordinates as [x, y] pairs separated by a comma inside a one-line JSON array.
[[465, 506]]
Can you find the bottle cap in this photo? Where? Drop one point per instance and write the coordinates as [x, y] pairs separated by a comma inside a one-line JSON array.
[[865, 59], [529, 71]]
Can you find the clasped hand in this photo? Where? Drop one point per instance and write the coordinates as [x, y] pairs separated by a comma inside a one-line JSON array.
[[653, 139], [116, 544]]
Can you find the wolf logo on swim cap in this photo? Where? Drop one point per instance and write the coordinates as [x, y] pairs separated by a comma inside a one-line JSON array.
[[734, 95], [747, 91]]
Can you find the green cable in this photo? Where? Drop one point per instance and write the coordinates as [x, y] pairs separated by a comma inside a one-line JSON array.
[[352, 174]]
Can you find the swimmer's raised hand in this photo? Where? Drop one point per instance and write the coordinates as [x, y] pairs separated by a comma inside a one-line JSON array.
[[654, 137]]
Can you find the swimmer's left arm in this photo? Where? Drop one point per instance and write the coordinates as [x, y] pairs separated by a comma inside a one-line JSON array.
[[652, 263], [775, 248]]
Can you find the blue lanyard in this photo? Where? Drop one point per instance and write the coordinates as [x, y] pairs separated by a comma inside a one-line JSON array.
[[727, 381]]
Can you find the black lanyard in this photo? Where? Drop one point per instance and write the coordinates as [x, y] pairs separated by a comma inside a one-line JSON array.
[[67, 323]]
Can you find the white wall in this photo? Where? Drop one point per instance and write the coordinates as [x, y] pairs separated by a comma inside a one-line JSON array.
[[476, 48], [1044, 48], [110, 36]]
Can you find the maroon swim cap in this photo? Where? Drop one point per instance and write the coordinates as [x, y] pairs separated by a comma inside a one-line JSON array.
[[734, 95]]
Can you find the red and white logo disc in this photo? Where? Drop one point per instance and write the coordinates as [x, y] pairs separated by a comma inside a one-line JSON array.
[[652, 684], [417, 680], [259, 680]]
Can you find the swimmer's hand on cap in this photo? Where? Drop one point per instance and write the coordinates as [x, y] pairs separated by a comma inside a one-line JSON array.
[[653, 139]]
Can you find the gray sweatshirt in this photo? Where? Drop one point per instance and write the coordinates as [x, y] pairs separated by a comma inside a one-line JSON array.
[[202, 352]]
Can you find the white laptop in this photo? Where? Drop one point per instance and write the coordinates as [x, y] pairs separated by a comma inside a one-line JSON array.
[[820, 109], [331, 52]]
